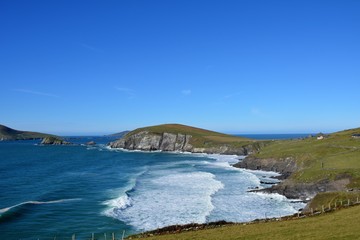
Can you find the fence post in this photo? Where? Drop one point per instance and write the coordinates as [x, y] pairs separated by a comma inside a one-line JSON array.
[[323, 210], [122, 238], [329, 207], [92, 236], [357, 199], [312, 211], [348, 202], [113, 236], [105, 236], [335, 204], [73, 237]]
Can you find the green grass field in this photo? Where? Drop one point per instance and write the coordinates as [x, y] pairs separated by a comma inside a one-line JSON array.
[[341, 224], [336, 155]]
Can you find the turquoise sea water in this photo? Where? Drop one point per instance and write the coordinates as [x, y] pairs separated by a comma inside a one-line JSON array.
[[49, 191]]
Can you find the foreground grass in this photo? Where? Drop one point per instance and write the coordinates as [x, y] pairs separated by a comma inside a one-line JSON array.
[[342, 224]]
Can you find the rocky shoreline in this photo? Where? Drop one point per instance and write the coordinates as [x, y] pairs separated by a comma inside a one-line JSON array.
[[288, 187]]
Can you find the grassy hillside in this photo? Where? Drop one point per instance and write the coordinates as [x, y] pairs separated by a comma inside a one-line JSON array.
[[342, 224], [336, 155], [200, 137], [7, 133]]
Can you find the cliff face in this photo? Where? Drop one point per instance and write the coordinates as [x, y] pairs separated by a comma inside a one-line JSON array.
[[148, 141], [53, 141], [284, 166]]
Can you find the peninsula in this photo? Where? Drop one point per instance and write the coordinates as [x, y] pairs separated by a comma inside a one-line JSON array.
[[181, 138], [7, 133]]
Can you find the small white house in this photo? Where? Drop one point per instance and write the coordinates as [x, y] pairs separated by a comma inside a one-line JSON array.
[[320, 137]]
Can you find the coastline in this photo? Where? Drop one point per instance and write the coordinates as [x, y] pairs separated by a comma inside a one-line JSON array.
[[268, 179], [239, 161]]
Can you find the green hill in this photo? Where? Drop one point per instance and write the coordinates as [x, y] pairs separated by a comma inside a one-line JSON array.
[[7, 133], [319, 164], [335, 155], [200, 137]]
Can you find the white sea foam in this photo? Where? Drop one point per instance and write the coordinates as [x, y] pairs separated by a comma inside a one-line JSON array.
[[4, 210], [174, 198], [122, 201], [198, 190]]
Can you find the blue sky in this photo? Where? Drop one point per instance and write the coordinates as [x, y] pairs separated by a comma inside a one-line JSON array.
[[96, 67]]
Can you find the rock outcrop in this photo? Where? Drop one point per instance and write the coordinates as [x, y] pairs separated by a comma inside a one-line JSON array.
[[289, 187], [284, 166], [53, 141], [91, 143], [149, 141]]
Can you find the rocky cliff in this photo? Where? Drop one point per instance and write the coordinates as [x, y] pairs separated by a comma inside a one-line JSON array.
[[54, 141], [284, 166], [149, 141], [289, 187]]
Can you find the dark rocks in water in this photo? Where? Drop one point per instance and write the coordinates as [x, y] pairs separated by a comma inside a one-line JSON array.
[[91, 143], [268, 183], [284, 166], [54, 141]]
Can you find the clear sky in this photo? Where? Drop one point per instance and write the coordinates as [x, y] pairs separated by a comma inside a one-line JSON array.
[[85, 67]]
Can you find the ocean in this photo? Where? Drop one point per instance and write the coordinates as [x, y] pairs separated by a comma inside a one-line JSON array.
[[58, 191]]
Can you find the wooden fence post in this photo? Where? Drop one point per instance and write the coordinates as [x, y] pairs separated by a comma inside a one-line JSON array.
[[348, 202], [92, 236], [329, 207], [312, 211], [122, 238], [323, 210], [73, 237], [335, 204], [113, 236], [105, 236]]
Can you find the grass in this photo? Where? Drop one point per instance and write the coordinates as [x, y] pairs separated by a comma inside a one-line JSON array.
[[336, 155], [342, 224]]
